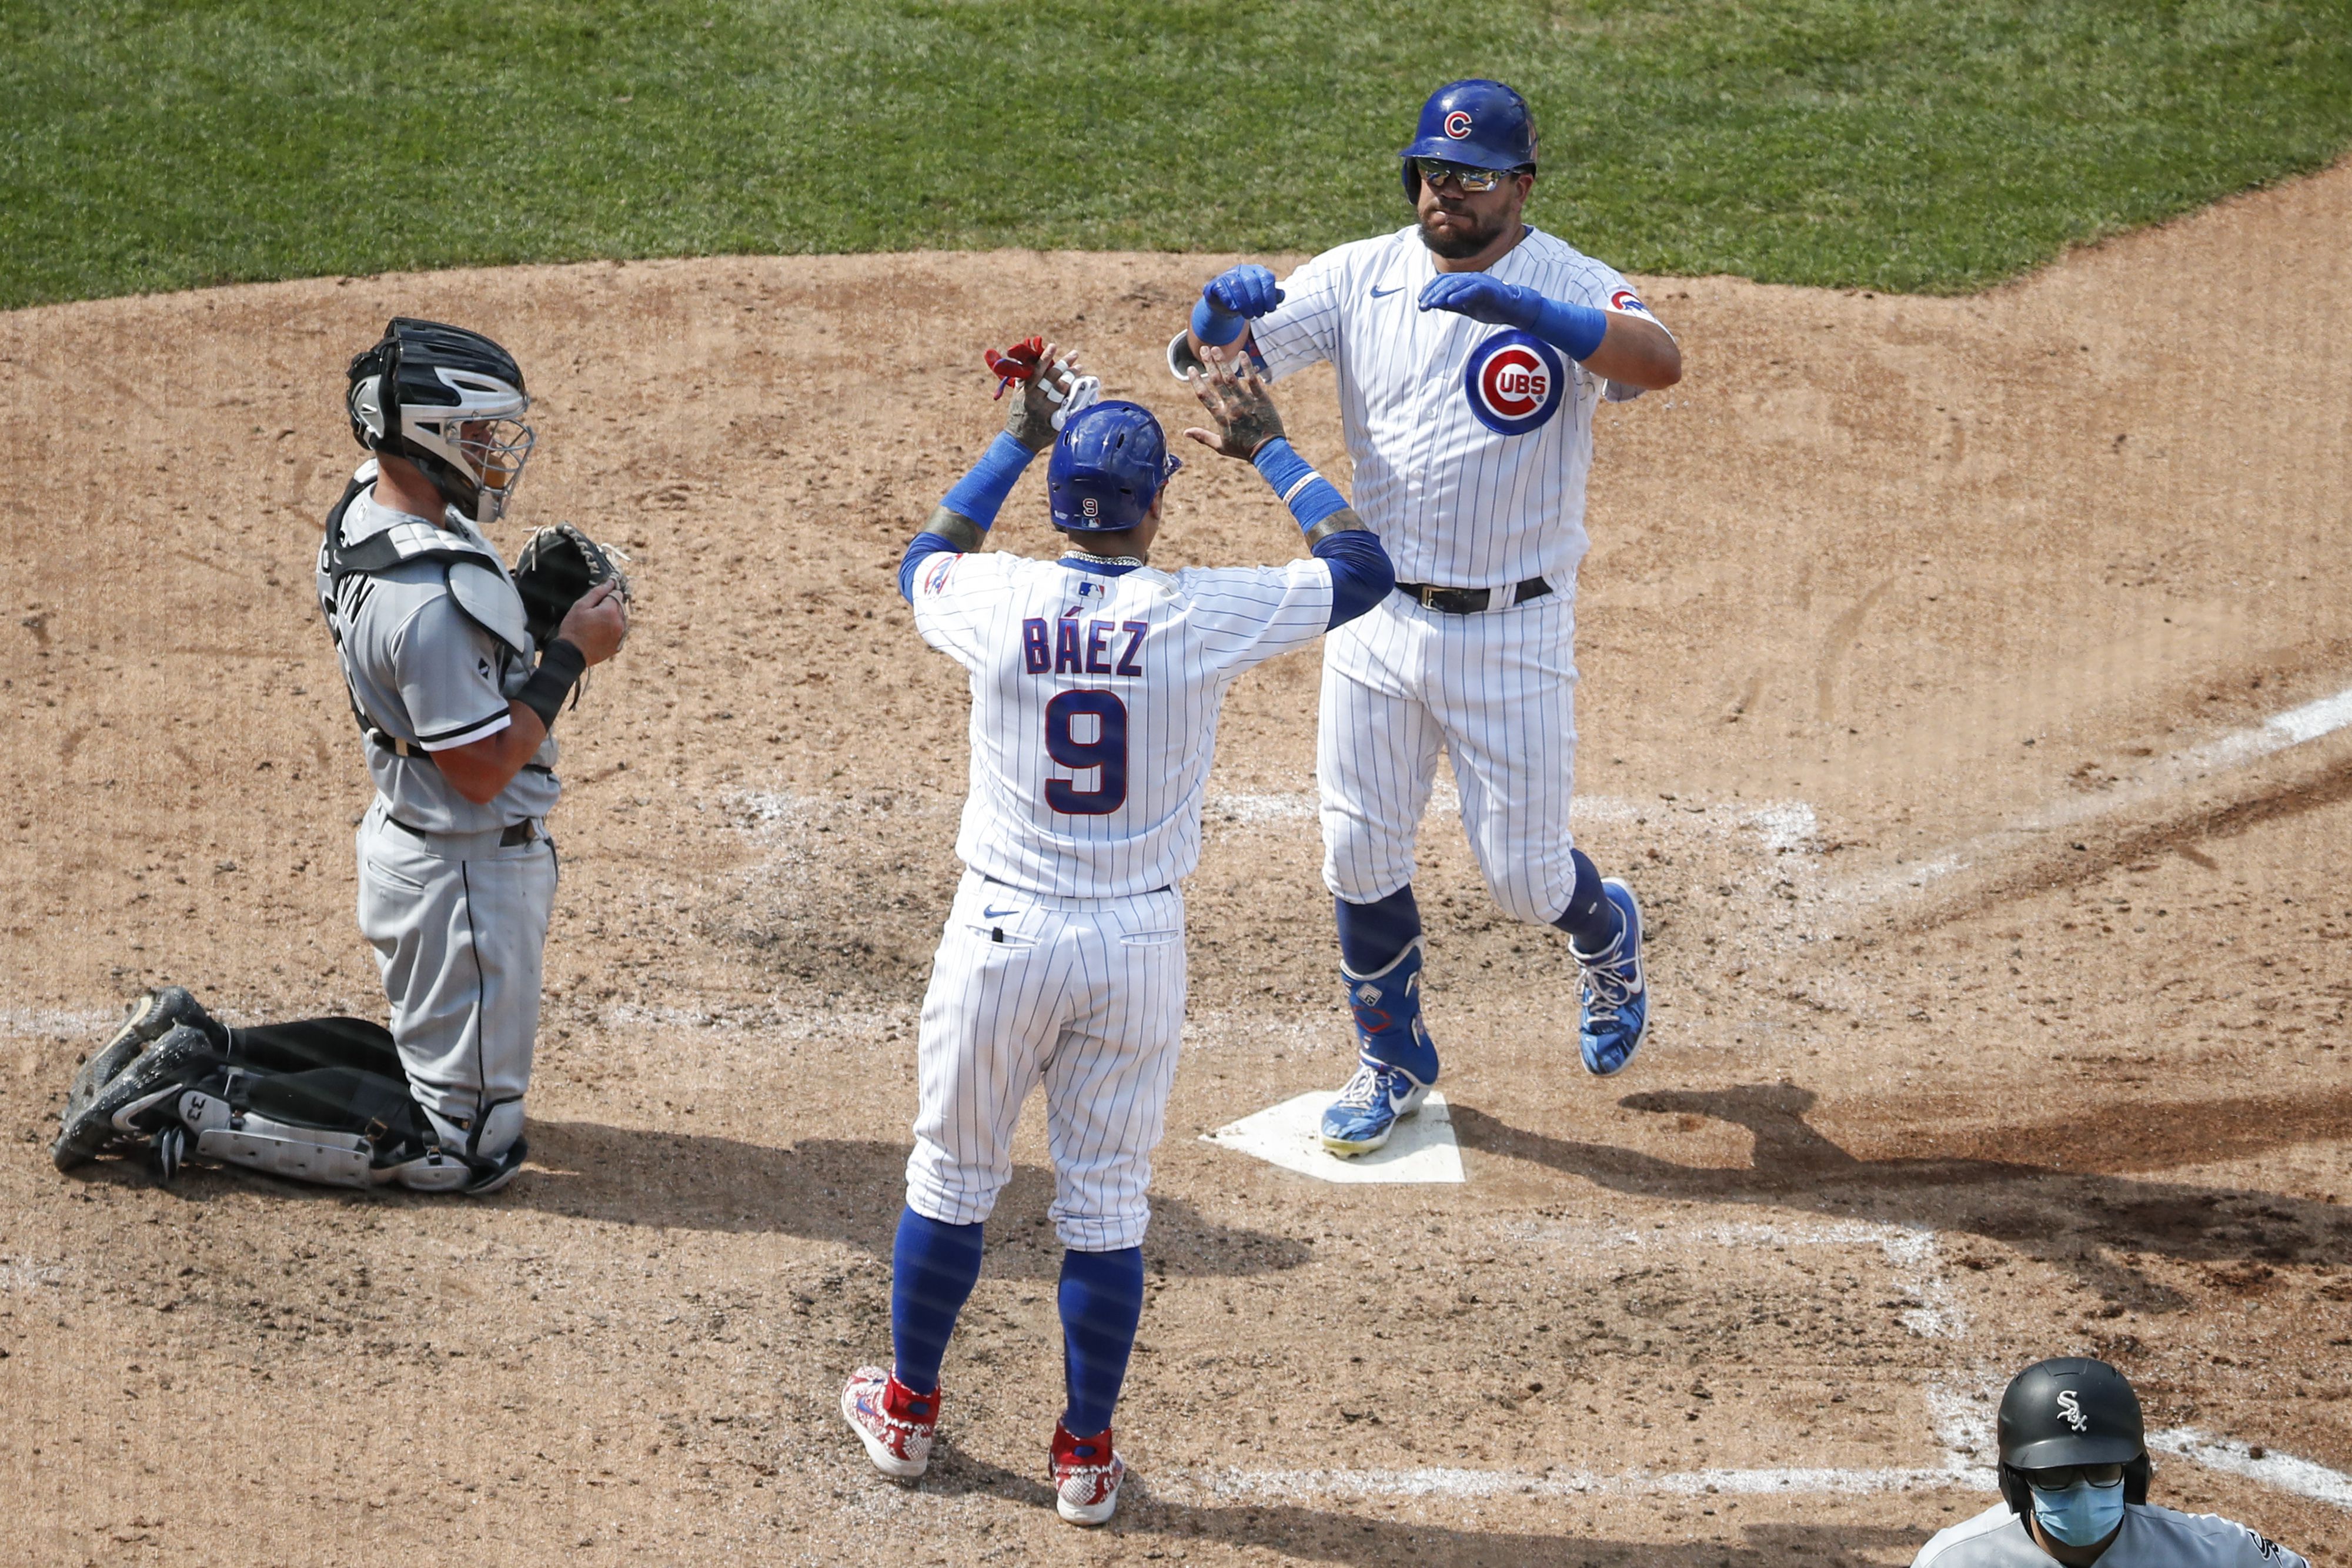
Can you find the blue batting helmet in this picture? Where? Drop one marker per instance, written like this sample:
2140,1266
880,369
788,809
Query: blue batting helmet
1479,122
1108,467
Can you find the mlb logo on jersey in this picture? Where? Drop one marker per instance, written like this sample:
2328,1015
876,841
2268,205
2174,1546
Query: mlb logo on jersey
1515,383
1625,299
1457,125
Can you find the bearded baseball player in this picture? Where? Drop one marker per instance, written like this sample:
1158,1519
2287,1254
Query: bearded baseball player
2073,1488
1096,684
456,670
1471,352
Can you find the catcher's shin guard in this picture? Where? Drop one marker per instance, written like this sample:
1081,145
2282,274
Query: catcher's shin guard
282,1149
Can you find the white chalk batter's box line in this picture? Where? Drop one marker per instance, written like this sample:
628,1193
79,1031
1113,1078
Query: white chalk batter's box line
2284,1472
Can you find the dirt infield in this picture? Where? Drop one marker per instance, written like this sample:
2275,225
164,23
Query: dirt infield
2003,948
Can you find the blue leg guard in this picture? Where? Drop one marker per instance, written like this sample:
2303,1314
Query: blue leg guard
1386,1007
1101,1301
933,1267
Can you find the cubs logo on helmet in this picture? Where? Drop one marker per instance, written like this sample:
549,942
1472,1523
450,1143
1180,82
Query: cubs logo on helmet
1515,383
1457,125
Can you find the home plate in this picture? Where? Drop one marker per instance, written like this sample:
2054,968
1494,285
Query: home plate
1290,1135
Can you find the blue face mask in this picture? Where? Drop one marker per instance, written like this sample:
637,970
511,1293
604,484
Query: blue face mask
2082,1515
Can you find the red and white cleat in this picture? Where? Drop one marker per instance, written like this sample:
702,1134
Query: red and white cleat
1087,1473
894,1422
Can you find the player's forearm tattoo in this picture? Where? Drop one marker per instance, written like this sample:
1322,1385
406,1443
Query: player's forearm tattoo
1342,521
956,528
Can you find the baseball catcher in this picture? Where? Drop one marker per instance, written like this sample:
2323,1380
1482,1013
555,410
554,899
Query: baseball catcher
456,669
2073,1488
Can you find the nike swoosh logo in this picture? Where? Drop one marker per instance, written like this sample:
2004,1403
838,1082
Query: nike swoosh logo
1384,293
995,913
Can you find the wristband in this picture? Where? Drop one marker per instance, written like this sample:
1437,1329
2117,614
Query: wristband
561,663
1310,496
1574,329
1214,325
979,495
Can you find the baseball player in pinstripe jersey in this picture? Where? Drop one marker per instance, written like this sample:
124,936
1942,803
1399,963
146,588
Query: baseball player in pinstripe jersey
1471,352
1096,682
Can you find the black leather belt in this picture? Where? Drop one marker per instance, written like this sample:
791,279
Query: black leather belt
1470,600
524,832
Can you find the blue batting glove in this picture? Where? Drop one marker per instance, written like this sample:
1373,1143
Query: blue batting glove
1230,299
1248,290
1483,298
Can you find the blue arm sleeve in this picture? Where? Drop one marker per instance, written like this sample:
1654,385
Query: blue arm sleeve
1361,575
1574,329
921,545
979,494
1310,496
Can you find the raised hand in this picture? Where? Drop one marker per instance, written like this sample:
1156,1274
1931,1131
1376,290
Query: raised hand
1482,298
1238,400
1046,396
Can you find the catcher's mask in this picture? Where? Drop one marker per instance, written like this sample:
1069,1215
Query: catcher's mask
450,400
1108,465
2070,1411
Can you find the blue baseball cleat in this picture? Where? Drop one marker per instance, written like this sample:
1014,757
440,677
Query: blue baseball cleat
1368,1110
1388,1031
1616,1000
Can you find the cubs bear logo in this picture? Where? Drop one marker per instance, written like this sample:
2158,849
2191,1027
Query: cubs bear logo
1515,383
1457,125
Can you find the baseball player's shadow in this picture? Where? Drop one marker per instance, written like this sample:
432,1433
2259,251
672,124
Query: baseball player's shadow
836,1189
2046,1211
1321,1536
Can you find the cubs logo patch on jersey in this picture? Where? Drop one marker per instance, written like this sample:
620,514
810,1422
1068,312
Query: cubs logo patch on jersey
1515,383
1626,300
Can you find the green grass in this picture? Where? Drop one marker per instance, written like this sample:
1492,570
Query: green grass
1910,144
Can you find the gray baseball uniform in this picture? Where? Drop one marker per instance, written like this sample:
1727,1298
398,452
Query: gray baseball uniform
2151,1537
454,896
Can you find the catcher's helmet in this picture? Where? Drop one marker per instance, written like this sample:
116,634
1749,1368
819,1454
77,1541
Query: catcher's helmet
2071,1411
1479,122
450,400
1108,467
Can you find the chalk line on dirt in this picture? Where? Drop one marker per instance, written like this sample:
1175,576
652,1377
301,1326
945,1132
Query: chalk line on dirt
2281,731
2304,1478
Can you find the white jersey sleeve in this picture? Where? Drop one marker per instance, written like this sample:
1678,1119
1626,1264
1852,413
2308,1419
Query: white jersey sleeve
958,600
1304,330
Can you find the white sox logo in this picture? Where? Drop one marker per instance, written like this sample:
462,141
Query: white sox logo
1457,125
2071,1409
1515,383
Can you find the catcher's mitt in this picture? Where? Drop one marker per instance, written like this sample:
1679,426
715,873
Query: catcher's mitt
559,564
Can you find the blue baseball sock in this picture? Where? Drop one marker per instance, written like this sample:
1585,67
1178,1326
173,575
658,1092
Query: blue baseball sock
932,1270
1101,1301
1372,935
1591,920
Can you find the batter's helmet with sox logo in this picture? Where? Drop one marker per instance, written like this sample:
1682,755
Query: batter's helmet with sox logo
1478,122
2066,1412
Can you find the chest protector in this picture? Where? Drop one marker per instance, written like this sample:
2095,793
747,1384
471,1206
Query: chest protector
477,580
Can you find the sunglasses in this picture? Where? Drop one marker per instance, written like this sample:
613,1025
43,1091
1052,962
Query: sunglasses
1469,180
2065,1478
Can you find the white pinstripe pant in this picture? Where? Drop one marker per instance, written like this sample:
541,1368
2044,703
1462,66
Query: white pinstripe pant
1084,994
1496,692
